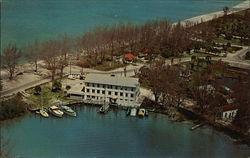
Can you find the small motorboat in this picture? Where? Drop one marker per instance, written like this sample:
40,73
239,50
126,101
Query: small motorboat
142,112
197,126
43,113
104,108
146,113
133,112
128,112
56,111
68,110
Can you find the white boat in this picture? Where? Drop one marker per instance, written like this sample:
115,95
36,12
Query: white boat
56,111
104,108
68,110
133,112
197,126
43,113
128,112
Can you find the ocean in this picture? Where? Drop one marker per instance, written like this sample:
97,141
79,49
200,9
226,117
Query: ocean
24,21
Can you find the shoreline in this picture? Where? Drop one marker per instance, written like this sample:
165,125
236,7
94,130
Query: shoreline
31,77
209,16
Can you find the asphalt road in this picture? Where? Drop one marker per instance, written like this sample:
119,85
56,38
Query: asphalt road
236,59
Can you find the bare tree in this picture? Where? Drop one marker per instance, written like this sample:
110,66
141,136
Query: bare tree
155,78
242,95
63,50
33,53
50,57
11,55
174,88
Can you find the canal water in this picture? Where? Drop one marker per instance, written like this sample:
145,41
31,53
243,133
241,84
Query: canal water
114,135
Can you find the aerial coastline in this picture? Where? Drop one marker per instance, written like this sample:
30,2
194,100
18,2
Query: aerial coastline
209,16
196,72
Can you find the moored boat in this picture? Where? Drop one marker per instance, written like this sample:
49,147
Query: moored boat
128,111
104,108
146,113
68,110
142,112
133,112
54,110
43,113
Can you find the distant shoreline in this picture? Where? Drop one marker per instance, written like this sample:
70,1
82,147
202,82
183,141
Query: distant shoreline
207,17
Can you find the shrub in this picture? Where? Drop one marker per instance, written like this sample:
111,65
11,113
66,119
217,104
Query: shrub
12,108
57,86
38,90
68,87
248,56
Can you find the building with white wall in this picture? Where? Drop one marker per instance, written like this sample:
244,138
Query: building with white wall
119,90
228,112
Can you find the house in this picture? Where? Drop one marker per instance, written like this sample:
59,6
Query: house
228,112
209,88
112,89
129,58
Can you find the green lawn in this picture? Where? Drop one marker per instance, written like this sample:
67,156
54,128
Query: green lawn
46,96
224,41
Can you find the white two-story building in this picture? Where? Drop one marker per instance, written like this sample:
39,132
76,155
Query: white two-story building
114,89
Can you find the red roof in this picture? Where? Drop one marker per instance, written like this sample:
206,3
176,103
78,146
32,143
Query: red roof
129,56
228,107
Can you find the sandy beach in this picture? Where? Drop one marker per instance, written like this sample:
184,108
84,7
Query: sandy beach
207,17
28,75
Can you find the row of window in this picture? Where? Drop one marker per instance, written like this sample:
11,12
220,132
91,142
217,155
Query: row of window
101,98
109,93
108,86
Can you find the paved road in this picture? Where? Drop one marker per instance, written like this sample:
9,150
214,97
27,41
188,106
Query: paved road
9,92
236,59
23,87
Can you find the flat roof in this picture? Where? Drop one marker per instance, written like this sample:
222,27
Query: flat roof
111,80
76,89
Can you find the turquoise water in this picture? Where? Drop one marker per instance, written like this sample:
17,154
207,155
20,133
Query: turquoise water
27,20
115,135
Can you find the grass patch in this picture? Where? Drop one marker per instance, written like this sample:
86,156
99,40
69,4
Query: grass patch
109,65
224,41
46,97
194,54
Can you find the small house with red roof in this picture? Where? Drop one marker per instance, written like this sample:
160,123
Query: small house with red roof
129,58
228,112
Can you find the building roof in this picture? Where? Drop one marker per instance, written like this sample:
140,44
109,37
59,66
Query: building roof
228,107
76,89
112,80
129,56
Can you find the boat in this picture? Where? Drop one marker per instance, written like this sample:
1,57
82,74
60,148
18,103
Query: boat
141,112
104,108
197,126
68,110
133,112
128,111
146,113
43,113
54,110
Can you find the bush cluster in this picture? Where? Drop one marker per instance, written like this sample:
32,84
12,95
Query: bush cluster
12,108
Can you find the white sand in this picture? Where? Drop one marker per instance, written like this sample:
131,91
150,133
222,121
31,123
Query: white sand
207,17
